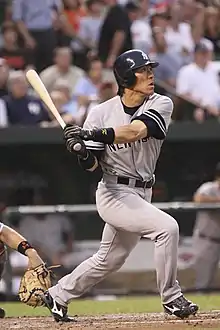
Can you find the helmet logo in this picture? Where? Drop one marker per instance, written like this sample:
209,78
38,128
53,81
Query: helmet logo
145,57
130,62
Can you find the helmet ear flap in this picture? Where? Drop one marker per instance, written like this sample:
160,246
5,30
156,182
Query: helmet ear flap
127,81
131,80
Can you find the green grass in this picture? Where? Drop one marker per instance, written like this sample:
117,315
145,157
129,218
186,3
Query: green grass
122,305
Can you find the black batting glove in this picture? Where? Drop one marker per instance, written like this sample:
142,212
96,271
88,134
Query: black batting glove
76,146
71,131
103,135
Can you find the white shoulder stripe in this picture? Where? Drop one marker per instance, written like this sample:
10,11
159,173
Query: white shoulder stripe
157,120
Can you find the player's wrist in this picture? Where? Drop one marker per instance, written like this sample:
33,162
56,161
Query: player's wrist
23,247
88,162
103,135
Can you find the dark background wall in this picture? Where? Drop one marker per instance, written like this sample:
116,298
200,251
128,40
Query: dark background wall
36,159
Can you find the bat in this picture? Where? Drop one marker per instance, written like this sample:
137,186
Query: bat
37,84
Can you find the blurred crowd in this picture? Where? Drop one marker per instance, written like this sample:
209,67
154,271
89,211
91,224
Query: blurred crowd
73,45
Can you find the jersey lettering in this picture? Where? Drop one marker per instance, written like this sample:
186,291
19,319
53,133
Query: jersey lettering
136,159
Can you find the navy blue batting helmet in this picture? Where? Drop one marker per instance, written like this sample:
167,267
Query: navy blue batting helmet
126,64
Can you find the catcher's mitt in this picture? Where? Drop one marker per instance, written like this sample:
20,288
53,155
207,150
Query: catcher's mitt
35,282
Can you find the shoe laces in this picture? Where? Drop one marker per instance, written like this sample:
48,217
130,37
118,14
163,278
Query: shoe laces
182,301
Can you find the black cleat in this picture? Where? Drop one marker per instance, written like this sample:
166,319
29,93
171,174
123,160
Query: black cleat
181,307
2,313
58,311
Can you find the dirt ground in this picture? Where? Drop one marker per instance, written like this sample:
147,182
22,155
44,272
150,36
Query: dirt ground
126,321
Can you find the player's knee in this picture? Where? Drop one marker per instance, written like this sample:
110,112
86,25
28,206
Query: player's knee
113,261
172,227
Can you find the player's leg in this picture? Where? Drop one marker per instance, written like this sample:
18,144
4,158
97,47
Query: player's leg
2,266
207,254
114,249
135,214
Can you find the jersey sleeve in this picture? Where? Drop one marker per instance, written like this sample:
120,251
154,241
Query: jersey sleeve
93,121
157,118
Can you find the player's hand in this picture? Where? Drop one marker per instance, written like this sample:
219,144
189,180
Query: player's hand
76,146
71,131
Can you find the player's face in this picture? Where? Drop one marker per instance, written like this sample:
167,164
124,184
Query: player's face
145,80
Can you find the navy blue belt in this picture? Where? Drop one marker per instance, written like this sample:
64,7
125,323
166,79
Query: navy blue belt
138,183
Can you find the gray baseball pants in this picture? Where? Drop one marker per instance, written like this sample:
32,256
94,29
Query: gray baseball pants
128,215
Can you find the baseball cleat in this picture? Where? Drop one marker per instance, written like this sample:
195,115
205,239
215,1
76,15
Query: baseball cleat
58,311
181,307
2,313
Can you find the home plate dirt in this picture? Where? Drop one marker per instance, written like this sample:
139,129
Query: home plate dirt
151,321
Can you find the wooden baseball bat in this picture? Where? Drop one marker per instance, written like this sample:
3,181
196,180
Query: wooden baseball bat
37,84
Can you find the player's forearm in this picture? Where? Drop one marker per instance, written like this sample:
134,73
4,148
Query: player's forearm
13,239
89,163
122,134
130,133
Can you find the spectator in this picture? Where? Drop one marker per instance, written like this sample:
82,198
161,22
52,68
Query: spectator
159,21
3,10
87,87
59,99
115,34
17,58
86,93
107,91
198,82
71,105
73,12
145,13
140,28
21,108
170,62
36,21
4,73
62,68
212,30
84,35
178,34
90,25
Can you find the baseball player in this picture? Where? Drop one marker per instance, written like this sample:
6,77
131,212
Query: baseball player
124,135
206,235
15,241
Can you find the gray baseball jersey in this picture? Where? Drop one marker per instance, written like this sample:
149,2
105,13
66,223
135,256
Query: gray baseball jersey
134,160
127,210
208,222
206,239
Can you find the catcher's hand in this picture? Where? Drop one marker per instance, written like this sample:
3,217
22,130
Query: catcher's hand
35,282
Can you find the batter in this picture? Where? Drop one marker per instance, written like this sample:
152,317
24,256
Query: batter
124,135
